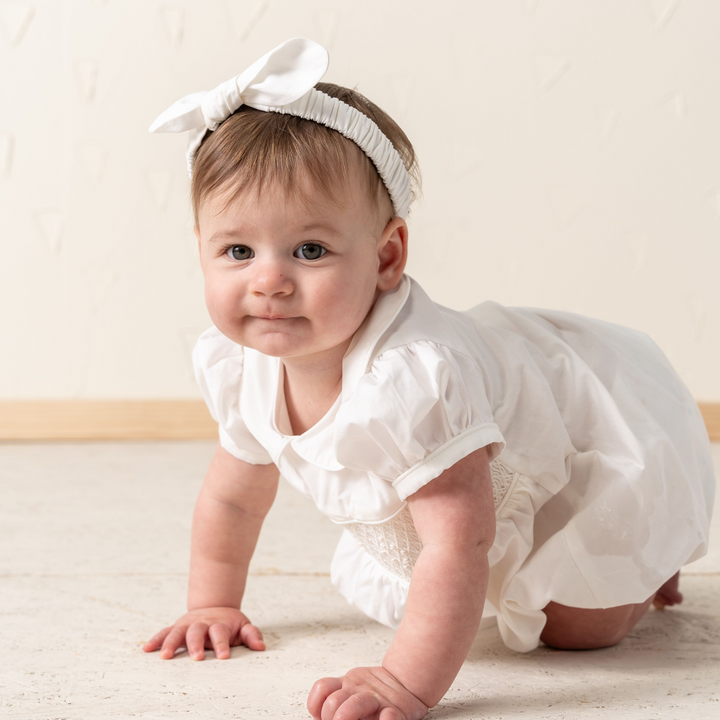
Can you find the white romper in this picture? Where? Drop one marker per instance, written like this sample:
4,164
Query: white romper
600,460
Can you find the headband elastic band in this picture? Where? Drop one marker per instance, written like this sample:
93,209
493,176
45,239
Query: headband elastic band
283,81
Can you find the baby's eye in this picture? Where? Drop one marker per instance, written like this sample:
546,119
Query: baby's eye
239,252
310,251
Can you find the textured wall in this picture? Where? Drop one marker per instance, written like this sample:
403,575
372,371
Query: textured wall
570,151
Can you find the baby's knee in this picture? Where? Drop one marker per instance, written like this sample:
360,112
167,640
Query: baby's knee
569,628
569,637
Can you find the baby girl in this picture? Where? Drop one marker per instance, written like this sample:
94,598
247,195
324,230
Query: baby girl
535,466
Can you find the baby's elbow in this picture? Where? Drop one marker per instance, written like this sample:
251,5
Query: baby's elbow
474,544
486,536
482,549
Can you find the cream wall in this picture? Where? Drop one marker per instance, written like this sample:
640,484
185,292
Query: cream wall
570,152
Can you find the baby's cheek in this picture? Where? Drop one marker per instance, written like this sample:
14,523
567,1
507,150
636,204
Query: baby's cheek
222,306
213,302
346,312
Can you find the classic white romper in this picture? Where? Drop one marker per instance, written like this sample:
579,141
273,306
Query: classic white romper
601,466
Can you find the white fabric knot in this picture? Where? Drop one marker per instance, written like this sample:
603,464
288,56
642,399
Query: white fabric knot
283,81
277,78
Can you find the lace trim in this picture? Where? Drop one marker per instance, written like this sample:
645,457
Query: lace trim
395,544
503,478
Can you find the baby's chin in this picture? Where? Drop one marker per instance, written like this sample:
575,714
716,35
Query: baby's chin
280,343
295,351
287,338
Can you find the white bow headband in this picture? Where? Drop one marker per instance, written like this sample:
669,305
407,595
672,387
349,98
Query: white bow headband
283,81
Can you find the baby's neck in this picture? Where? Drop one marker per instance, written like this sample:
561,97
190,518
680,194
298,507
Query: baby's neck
311,388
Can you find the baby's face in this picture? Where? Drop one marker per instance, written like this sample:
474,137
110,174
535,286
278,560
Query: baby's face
295,279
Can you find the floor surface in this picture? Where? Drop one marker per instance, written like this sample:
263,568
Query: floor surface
93,561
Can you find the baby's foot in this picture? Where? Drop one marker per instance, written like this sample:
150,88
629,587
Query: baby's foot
668,594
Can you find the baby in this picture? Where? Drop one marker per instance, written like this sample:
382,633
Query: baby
538,467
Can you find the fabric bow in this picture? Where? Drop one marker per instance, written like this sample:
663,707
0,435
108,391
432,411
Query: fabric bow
278,78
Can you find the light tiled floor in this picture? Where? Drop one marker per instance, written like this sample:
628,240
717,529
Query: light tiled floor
93,559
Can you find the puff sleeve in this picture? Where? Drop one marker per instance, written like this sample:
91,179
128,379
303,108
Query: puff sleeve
218,364
418,410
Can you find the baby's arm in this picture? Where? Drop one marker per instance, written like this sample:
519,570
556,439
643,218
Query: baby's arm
233,502
455,519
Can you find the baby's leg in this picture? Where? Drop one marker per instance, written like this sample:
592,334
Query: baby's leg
570,628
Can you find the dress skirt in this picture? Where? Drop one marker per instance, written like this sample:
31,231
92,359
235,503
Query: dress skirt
634,509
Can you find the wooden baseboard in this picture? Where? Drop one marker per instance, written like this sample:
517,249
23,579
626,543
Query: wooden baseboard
145,420
711,415
105,420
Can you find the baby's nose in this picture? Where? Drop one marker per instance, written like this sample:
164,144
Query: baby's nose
271,278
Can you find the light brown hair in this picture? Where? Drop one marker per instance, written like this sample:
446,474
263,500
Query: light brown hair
253,149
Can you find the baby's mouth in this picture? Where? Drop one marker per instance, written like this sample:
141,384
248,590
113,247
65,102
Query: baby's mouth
274,319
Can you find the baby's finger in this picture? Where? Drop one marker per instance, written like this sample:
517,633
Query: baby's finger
390,713
157,639
333,703
360,705
319,693
252,637
219,635
195,639
174,639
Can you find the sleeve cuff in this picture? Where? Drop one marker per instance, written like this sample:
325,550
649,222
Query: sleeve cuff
444,457
241,454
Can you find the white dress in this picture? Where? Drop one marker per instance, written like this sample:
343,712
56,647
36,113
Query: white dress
600,461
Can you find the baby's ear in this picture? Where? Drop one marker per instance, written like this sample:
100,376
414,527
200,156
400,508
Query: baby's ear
392,253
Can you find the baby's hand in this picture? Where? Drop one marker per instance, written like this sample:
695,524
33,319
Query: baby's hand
371,693
218,628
